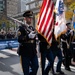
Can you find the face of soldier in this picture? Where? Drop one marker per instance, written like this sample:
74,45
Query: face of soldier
69,27
28,20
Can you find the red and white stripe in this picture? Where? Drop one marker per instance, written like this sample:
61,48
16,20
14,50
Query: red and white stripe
46,20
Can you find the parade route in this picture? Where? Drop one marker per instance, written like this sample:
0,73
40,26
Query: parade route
10,64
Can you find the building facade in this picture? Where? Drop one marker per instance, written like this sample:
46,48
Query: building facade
13,7
3,9
33,5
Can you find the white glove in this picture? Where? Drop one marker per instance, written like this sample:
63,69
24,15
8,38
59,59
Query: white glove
32,35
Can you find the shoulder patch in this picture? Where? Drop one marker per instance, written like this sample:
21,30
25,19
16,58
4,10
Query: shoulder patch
19,33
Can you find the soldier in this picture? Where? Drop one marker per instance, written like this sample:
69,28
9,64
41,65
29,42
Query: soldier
56,51
72,47
66,40
27,48
45,54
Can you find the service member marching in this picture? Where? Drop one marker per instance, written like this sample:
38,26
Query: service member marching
66,40
27,48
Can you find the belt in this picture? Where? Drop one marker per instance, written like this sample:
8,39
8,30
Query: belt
74,48
73,42
30,41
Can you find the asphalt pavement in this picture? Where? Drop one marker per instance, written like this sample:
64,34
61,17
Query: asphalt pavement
10,64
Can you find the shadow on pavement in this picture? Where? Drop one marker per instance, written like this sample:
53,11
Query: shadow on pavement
6,63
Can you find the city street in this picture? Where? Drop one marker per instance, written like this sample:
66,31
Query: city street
10,65
48,23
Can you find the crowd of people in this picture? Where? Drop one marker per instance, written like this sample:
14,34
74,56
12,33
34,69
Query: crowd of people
27,51
7,35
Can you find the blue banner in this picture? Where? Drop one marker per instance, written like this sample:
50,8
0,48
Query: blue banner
74,25
8,44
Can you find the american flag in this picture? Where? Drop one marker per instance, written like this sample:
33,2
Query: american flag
60,24
46,20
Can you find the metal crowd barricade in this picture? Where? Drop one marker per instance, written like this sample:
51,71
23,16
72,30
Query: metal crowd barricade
8,43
